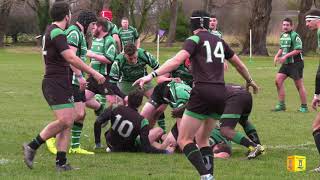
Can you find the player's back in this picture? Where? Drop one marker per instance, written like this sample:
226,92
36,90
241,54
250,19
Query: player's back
125,127
207,54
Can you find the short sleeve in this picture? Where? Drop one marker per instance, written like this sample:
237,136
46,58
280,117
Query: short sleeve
228,52
73,38
59,39
297,43
191,43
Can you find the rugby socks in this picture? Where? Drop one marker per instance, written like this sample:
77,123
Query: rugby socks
304,106
162,123
194,156
75,135
61,158
316,136
251,132
206,153
36,142
242,140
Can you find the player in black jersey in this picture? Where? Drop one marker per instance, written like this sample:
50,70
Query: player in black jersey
128,127
57,86
207,53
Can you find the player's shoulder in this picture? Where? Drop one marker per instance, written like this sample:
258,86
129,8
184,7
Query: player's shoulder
56,31
132,28
194,38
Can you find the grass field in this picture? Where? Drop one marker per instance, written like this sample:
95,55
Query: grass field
24,112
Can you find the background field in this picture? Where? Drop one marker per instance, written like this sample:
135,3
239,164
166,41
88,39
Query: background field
23,112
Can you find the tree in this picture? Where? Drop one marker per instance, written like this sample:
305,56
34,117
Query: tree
308,37
173,22
41,8
258,23
5,7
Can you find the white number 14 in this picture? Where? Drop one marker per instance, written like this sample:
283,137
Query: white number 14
218,51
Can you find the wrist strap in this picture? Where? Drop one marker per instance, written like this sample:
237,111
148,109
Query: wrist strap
154,74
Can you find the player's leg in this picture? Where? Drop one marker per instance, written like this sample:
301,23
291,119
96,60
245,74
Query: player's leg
64,121
249,129
188,128
279,81
316,136
148,112
297,76
77,130
202,139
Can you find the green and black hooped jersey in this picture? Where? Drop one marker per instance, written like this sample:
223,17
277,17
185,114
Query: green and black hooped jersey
121,70
103,46
173,93
76,39
184,74
288,42
129,35
217,33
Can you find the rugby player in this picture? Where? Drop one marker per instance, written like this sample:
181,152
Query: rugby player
290,56
207,53
313,23
57,86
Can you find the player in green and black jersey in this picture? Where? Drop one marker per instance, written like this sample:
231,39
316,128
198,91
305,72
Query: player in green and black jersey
290,56
128,34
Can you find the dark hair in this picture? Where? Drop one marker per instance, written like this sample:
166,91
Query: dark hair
199,19
130,49
213,16
313,12
104,23
85,18
288,20
135,98
125,18
59,10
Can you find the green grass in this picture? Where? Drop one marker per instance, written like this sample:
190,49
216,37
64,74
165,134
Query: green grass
24,113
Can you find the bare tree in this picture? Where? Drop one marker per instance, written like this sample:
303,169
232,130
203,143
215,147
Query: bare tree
5,7
258,23
173,22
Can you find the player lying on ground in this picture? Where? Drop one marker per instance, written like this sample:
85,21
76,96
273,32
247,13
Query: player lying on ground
126,127
237,108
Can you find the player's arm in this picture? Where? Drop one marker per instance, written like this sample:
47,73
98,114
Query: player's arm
144,136
275,60
60,42
103,59
137,38
103,118
114,78
164,78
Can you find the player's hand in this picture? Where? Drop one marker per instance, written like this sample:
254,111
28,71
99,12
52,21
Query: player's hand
254,86
90,54
141,81
177,80
275,61
99,78
125,100
315,103
282,59
225,66
82,83
170,149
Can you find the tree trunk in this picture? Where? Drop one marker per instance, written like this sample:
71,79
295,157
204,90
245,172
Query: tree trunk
173,22
309,38
5,7
205,5
258,23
